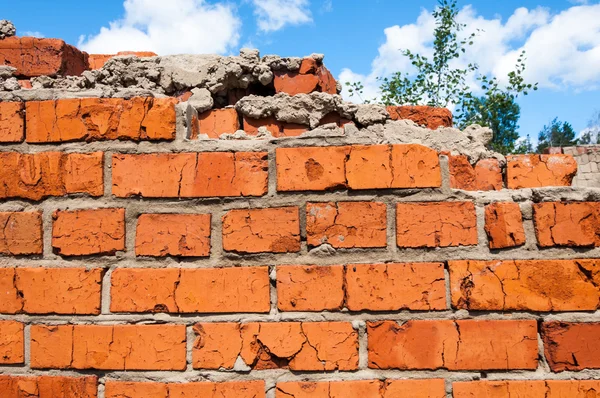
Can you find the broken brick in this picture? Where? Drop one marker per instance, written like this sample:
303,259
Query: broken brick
426,116
251,126
567,223
571,346
21,233
97,61
215,122
504,225
533,171
293,83
486,175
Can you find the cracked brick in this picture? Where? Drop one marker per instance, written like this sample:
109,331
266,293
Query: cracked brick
96,119
294,83
532,171
50,290
87,232
39,175
427,116
219,290
12,122
190,175
485,175
274,230
346,224
453,345
425,388
21,233
230,389
215,122
310,287
567,223
109,347
12,346
571,346
525,285
526,388
504,225
48,386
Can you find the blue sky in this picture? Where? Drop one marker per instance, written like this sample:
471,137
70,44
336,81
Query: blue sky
360,38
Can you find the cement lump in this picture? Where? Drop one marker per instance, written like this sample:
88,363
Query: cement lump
7,29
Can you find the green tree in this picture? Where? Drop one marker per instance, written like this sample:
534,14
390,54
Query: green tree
524,146
556,134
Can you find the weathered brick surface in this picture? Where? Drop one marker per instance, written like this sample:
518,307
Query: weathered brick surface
48,387
306,346
12,123
567,224
527,388
311,168
426,388
427,116
218,121
108,347
86,232
571,346
436,224
453,345
94,119
50,290
531,171
293,83
346,224
235,389
189,175
504,225
275,230
485,175
220,290
12,346
185,235
37,176
525,285
310,287
21,233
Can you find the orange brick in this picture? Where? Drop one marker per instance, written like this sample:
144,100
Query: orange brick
36,176
327,83
433,388
233,389
525,285
425,388
251,126
275,230
108,347
95,119
427,116
293,83
190,175
532,171
504,225
571,346
310,288
393,287
50,290
486,175
308,66
346,224
436,224
21,233
12,124
307,346
218,121
453,345
48,386
311,168
293,130
85,232
207,290
185,235
526,388
37,57
12,347
567,224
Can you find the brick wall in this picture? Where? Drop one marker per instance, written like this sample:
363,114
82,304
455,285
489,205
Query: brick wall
141,260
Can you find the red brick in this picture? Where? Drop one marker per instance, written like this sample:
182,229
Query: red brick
293,83
427,116
453,345
433,388
394,287
527,388
327,83
571,346
532,171
233,389
48,386
275,230
346,224
36,57
97,61
190,175
12,347
37,176
310,287
567,224
218,121
108,347
486,175
293,130
308,66
504,225
525,285
12,123
50,290
307,346
185,235
206,290
85,232
251,126
436,224
96,119
21,233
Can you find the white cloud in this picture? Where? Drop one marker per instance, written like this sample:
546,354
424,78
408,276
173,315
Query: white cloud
168,27
30,33
563,50
273,15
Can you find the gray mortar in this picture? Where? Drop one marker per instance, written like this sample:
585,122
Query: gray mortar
7,29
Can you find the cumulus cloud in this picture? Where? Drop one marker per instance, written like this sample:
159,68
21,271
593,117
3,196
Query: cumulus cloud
168,27
563,50
273,15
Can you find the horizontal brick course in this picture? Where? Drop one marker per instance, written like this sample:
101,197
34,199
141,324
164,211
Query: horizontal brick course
431,388
236,389
526,388
48,386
